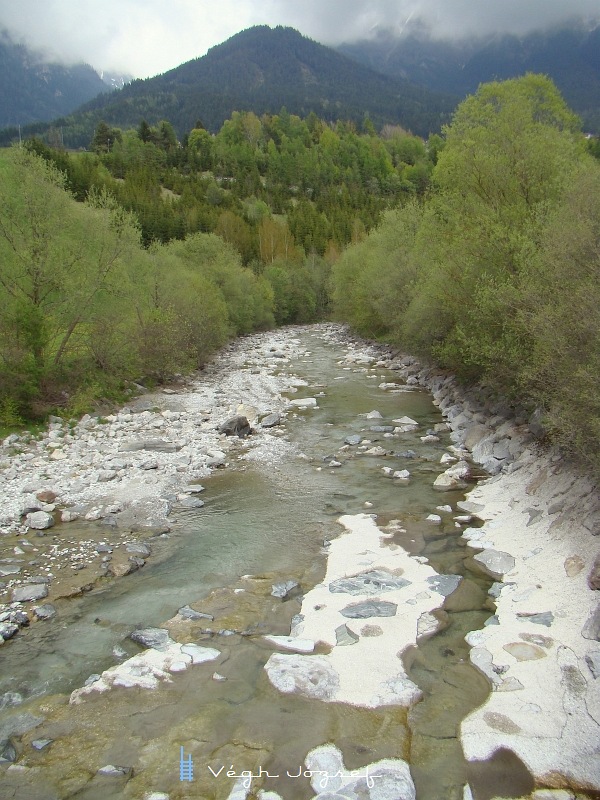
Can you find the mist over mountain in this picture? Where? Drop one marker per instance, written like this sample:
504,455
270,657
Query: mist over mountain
570,55
34,89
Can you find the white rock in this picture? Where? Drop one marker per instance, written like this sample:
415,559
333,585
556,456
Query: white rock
304,402
290,643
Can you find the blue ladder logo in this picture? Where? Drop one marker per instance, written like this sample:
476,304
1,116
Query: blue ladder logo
186,767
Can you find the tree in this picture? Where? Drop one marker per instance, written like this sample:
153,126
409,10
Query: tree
510,152
59,262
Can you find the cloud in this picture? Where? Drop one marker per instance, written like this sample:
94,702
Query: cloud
145,37
346,20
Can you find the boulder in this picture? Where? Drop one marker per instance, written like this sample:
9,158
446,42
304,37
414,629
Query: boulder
157,638
236,426
474,434
448,483
495,563
39,520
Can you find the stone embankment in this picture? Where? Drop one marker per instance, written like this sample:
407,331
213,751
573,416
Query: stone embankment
541,649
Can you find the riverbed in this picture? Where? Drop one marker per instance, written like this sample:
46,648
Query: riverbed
270,516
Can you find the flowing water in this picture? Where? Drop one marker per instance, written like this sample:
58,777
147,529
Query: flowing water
268,521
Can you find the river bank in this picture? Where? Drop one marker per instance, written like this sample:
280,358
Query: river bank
117,483
540,649
536,538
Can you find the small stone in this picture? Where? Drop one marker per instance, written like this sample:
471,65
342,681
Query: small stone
46,496
25,594
8,630
545,618
40,744
112,771
291,643
191,502
370,608
406,421
270,421
371,630
344,636
216,676
372,582
354,439
189,613
524,652
45,611
284,588
435,518
8,753
593,661
305,402
375,451
444,584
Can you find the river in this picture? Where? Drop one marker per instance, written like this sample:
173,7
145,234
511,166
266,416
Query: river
267,520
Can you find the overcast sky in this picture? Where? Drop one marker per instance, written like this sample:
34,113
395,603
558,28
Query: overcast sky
146,37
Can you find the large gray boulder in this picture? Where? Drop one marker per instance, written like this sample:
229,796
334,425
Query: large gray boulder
39,520
235,426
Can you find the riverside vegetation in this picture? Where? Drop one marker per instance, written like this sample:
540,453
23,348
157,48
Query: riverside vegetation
478,250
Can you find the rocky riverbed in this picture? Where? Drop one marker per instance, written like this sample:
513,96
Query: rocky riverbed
120,482
89,500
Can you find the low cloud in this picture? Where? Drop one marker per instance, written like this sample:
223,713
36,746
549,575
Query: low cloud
145,37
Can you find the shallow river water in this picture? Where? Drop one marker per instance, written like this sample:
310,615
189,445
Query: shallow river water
268,521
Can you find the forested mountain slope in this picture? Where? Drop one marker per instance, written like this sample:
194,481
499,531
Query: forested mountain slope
262,70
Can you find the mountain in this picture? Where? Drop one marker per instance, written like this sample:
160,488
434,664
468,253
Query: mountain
570,55
32,89
263,69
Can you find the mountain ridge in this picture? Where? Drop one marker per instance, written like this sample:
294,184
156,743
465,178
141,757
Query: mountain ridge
263,69
569,54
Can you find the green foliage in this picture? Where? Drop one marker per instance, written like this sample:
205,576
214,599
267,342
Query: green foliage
10,416
496,276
